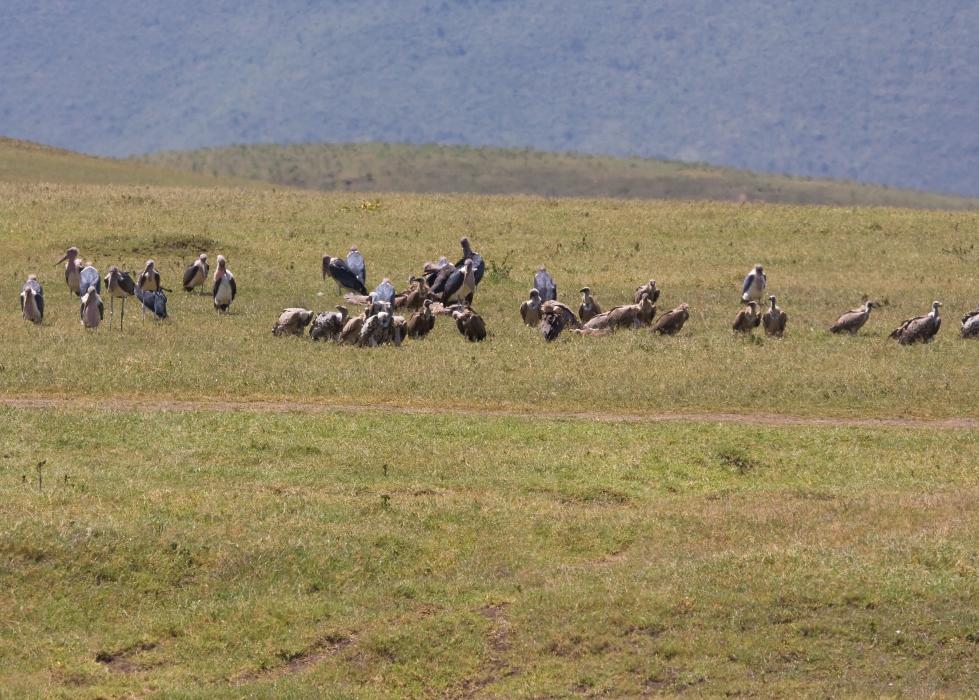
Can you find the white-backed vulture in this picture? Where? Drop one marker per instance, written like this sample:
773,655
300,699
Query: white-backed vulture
970,324
292,321
671,322
589,307
854,319
774,319
374,332
329,324
920,329
422,321
530,309
649,289
747,318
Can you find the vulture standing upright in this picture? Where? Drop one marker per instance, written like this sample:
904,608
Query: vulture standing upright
422,322
754,285
341,274
747,318
292,321
196,274
970,324
544,283
774,319
671,322
355,261
920,329
328,324
853,320
32,300
589,308
470,325
649,289
385,292
225,288
554,318
530,309
374,332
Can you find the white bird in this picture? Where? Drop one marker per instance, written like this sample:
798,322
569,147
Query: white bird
225,289
92,310
754,285
32,300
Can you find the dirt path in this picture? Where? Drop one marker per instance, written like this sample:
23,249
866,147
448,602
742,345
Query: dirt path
125,405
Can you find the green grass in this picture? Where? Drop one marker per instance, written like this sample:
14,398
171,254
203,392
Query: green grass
237,554
821,261
384,167
28,162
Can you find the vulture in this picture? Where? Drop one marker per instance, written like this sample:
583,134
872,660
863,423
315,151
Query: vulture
920,329
398,331
196,274
375,329
413,297
118,285
292,321
225,289
853,320
461,285
754,285
342,275
774,319
351,330
149,278
626,316
72,268
328,324
470,324
554,318
155,302
589,308
970,324
356,264
479,266
649,289
747,319
530,309
92,309
422,322
544,283
671,322
32,300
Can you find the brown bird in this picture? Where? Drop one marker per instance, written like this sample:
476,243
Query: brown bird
671,322
747,319
375,330
351,329
398,330
626,316
422,322
555,317
853,320
412,297
649,289
920,329
530,309
970,324
774,319
329,324
470,324
292,321
589,308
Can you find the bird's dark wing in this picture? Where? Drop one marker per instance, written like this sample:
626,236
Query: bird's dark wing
234,287
101,310
452,285
39,300
189,276
748,281
22,301
438,283
355,261
126,283
345,276
479,267
215,288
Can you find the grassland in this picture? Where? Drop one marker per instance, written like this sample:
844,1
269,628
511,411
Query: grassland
27,162
246,553
383,167
234,554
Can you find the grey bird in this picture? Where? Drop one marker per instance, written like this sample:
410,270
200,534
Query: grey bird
32,300
970,324
920,329
339,272
854,319
118,285
328,324
292,321
544,283
155,302
774,319
357,265
530,309
72,269
92,309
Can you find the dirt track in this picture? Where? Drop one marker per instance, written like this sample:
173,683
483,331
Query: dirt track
123,405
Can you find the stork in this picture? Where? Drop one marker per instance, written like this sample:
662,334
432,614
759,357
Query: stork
774,319
118,285
530,309
920,329
385,292
154,302
431,270
225,288
479,266
92,309
89,277
589,308
544,283
357,265
754,285
32,300
345,278
196,274
149,278
72,269
461,285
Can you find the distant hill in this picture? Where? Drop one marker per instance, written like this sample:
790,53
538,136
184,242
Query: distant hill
881,92
24,161
377,167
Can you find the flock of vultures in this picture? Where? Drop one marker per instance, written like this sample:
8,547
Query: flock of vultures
442,289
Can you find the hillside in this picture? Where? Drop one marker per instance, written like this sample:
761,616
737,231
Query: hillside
872,92
376,167
23,161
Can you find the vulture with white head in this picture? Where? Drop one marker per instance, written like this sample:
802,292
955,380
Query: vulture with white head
530,309
854,319
589,307
920,329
